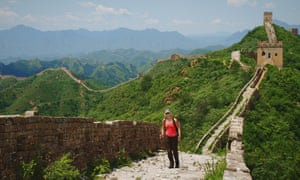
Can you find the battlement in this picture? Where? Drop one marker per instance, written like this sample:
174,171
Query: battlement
264,44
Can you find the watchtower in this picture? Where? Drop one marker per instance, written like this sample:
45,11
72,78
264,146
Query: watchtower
268,17
270,52
294,31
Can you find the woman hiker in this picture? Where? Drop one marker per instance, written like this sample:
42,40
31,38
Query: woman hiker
170,128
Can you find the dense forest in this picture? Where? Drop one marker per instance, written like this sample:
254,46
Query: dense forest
272,127
198,91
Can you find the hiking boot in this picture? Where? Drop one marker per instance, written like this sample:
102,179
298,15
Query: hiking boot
176,163
171,165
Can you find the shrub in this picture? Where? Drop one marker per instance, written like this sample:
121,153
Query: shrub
214,170
102,167
27,169
121,159
61,169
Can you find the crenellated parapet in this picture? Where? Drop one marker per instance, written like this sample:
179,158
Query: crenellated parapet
264,44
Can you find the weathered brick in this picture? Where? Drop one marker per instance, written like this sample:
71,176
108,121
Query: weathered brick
49,137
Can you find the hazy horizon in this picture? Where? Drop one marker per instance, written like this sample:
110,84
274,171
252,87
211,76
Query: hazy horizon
189,18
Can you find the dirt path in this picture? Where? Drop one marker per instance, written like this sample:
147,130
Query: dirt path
192,167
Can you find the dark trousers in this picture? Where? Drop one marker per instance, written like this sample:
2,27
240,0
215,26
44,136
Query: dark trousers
172,147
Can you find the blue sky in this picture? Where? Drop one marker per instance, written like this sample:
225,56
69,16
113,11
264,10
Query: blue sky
189,17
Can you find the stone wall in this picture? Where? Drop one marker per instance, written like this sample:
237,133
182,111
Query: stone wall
235,164
45,139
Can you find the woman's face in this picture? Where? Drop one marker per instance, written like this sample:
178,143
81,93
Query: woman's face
168,114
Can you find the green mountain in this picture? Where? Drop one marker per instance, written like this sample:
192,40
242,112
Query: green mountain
100,69
198,91
98,74
54,93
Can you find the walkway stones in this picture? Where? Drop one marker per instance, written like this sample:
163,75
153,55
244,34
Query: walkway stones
156,168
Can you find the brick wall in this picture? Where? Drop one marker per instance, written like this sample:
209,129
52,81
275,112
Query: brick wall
48,138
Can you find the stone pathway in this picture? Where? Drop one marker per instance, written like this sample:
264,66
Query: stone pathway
192,167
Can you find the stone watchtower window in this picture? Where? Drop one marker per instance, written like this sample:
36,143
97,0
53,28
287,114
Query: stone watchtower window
269,55
275,54
263,53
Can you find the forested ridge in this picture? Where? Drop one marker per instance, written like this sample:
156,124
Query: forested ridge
272,125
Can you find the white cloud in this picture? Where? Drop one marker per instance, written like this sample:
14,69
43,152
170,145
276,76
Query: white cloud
30,18
4,12
216,21
87,4
12,1
269,5
72,17
182,22
238,3
252,3
151,21
103,10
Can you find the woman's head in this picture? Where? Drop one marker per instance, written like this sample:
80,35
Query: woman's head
168,112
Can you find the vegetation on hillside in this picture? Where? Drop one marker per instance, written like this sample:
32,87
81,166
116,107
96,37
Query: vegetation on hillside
197,94
272,131
100,69
99,75
54,94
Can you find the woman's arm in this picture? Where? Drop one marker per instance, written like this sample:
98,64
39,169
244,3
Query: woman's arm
162,134
178,128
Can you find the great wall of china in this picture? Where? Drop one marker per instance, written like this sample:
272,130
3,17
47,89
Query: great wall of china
25,138
233,120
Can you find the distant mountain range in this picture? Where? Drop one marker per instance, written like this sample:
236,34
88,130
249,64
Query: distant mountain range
25,42
285,25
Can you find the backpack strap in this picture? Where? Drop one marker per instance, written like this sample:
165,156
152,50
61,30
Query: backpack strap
173,119
174,122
